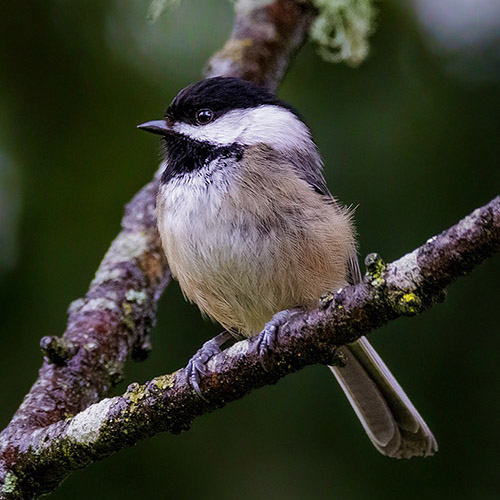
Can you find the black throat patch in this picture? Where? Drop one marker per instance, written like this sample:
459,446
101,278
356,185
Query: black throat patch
184,155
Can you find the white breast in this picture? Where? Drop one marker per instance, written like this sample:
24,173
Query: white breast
218,258
188,215
201,232
236,254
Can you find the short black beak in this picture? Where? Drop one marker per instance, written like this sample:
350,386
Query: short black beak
159,127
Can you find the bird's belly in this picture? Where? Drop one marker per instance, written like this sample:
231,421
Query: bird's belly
240,267
225,267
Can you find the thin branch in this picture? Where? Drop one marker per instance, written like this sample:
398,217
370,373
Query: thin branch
405,287
263,41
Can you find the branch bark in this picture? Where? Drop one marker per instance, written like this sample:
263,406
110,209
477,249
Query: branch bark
112,323
406,287
64,424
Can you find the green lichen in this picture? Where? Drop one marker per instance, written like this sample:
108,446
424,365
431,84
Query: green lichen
10,483
374,265
234,50
128,318
135,393
342,28
127,308
409,298
410,304
326,300
164,382
115,371
405,303
378,282
57,350
375,268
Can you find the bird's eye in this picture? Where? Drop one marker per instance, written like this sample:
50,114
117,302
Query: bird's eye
204,116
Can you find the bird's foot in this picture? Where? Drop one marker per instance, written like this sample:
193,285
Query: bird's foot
267,338
196,366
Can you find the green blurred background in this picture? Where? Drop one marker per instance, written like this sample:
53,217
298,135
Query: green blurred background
412,137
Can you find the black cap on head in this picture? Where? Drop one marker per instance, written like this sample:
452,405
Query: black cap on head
220,95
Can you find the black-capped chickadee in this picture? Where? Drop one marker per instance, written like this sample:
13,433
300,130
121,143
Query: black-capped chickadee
250,229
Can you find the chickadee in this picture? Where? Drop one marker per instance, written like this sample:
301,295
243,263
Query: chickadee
250,229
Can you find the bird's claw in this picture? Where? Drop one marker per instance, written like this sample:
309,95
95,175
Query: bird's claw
196,366
267,338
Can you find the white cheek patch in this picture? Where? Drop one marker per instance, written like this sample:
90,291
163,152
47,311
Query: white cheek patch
223,131
277,127
272,125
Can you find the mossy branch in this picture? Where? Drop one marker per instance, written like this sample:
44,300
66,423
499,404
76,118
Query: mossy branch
405,287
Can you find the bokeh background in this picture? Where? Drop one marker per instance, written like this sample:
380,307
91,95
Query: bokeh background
411,136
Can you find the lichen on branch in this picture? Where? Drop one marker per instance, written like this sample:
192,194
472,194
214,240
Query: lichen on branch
405,287
340,30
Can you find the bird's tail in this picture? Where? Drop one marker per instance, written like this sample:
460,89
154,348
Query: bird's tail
391,421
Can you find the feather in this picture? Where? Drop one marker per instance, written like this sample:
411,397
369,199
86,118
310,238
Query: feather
389,418
386,413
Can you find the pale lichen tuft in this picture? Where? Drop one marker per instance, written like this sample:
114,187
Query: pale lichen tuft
136,296
342,28
105,275
85,427
76,305
100,304
126,246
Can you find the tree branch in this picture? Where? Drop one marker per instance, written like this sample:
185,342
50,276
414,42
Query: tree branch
113,322
406,287
263,41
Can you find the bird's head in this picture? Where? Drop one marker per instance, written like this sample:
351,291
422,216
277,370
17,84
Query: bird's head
222,112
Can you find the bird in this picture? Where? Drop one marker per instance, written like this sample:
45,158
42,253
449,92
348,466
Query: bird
252,234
